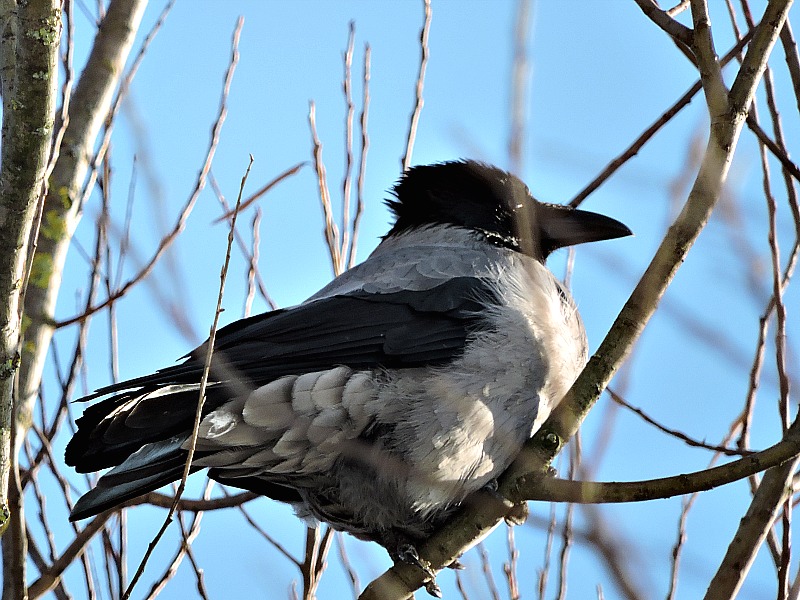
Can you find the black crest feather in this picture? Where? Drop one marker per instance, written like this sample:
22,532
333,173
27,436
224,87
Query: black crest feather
462,193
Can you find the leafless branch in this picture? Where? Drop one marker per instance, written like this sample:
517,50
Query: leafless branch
790,51
673,432
663,19
405,162
331,229
347,84
510,567
252,266
486,568
213,331
270,540
168,239
28,82
262,287
648,133
520,73
188,505
293,170
362,163
352,575
49,579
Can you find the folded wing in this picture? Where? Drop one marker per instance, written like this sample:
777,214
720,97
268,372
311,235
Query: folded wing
258,363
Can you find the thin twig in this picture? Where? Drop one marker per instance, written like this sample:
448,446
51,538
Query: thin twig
183,550
519,86
460,586
41,565
252,264
347,85
674,432
486,567
270,540
678,8
352,575
262,287
676,550
200,182
790,51
307,568
362,163
544,572
405,162
663,19
566,532
190,505
648,133
207,366
322,557
331,229
616,552
49,579
293,170
510,568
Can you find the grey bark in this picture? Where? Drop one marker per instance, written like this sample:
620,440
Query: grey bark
31,33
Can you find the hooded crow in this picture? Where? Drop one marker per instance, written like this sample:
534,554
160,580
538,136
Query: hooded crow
380,403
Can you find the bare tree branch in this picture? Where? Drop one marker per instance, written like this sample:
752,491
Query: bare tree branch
212,334
331,229
362,163
663,19
648,133
62,210
520,81
28,79
49,579
405,162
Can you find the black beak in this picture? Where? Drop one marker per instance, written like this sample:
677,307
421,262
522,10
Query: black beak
561,226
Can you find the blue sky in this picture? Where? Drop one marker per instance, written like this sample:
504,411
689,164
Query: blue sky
600,73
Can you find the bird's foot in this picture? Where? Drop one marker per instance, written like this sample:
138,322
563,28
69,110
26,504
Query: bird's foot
409,555
517,513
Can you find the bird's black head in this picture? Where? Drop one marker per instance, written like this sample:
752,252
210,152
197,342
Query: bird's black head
497,205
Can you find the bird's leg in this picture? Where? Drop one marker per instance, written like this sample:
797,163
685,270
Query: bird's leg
408,554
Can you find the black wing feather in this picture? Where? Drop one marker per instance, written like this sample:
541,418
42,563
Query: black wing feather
360,330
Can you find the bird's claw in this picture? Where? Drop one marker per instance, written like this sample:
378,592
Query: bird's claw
409,555
517,513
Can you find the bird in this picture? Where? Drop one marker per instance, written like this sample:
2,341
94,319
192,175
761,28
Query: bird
378,405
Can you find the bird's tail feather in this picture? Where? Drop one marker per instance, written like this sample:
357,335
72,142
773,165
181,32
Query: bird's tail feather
112,430
146,470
